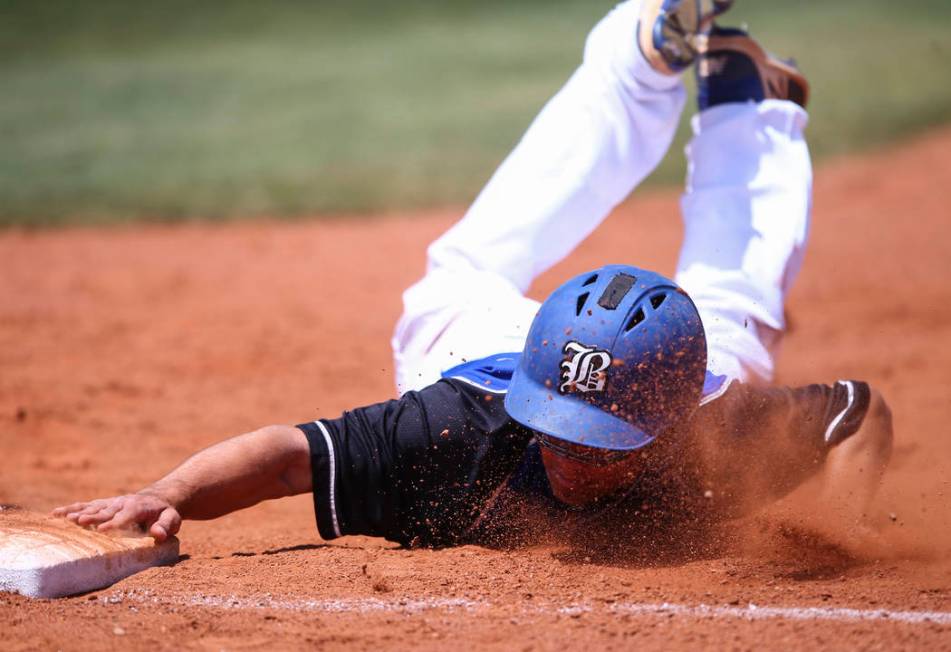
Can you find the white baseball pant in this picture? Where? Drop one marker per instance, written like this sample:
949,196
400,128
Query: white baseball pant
746,211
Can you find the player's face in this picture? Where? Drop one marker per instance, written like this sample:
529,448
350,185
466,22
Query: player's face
579,452
581,474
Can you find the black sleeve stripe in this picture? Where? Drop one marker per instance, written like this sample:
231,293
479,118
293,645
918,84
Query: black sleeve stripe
323,465
847,421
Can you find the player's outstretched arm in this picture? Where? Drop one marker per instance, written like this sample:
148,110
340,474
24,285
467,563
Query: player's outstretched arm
272,462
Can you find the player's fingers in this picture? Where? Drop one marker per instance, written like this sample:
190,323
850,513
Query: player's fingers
97,510
101,515
132,513
158,533
90,508
69,509
91,519
167,525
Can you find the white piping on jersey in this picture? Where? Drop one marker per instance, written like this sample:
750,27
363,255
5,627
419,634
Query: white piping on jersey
333,470
717,394
703,401
838,419
481,386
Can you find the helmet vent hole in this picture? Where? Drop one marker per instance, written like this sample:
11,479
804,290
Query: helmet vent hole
591,279
635,319
657,300
582,299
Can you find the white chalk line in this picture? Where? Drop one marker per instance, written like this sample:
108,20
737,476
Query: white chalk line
418,605
757,612
267,601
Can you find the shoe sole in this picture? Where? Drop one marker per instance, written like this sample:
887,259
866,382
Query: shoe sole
776,74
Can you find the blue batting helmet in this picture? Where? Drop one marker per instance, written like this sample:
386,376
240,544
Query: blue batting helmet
614,358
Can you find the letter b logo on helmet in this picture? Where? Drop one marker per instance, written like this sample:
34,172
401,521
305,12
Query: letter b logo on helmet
614,358
584,370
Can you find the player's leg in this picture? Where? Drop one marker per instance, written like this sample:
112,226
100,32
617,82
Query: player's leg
594,141
604,131
747,203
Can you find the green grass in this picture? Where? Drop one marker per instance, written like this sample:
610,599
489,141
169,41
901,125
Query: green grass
111,111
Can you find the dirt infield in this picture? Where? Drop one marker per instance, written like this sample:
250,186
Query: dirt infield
121,350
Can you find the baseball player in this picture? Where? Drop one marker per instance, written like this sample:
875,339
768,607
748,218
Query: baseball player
624,393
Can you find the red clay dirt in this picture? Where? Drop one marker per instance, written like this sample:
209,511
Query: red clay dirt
124,349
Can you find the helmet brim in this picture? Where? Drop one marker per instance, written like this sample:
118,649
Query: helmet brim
570,419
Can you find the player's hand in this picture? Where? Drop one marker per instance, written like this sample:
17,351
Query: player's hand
145,512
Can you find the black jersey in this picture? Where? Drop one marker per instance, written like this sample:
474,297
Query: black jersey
414,470
446,464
